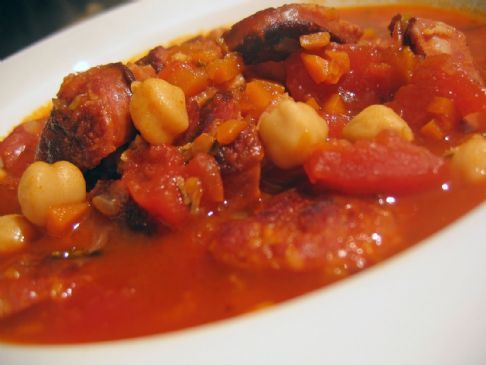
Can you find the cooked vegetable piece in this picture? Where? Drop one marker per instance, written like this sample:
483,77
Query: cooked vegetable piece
438,77
15,233
373,120
314,41
225,69
290,131
60,218
469,159
18,149
328,69
205,167
150,173
387,164
43,185
156,178
361,75
259,94
158,110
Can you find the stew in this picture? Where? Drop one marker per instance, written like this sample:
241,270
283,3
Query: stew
239,169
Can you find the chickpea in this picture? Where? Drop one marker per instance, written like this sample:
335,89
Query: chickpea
374,119
158,110
15,232
43,185
290,131
469,159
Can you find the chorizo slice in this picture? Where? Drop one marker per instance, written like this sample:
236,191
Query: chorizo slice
90,118
339,235
272,34
431,37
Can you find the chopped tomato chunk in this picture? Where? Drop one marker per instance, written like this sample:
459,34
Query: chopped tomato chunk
17,151
151,175
206,168
445,90
157,179
385,165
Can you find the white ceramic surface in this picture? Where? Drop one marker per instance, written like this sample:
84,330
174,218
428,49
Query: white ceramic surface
425,306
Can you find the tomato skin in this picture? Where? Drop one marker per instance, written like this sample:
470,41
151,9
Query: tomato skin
17,150
387,164
205,167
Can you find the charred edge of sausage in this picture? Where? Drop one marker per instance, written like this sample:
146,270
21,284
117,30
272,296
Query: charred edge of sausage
60,143
107,169
401,26
137,219
129,214
127,74
273,33
277,43
48,148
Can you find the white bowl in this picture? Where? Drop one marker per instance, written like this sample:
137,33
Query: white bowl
424,306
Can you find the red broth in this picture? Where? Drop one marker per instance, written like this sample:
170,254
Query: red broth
142,284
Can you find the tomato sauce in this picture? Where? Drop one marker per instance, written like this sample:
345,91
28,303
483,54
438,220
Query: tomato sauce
140,284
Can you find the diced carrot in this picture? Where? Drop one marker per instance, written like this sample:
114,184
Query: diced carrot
61,217
316,66
258,95
408,61
339,64
441,106
202,143
229,130
314,41
334,105
313,103
192,80
432,130
444,111
369,33
3,173
225,69
327,70
204,56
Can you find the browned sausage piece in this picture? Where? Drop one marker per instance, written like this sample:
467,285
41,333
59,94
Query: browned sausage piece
112,199
430,37
90,118
273,33
339,235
